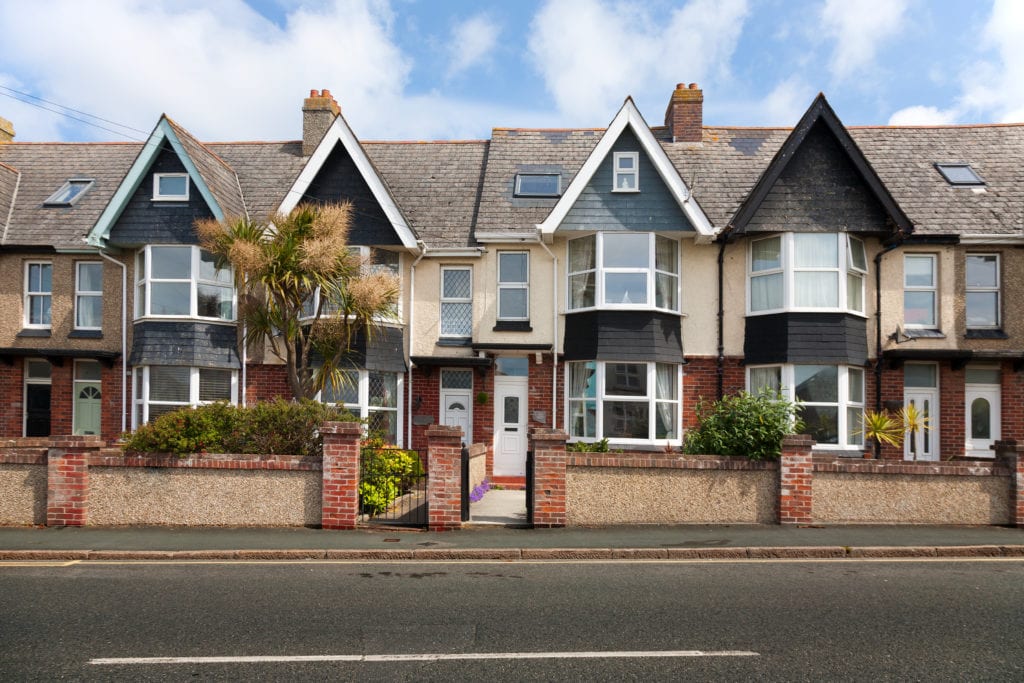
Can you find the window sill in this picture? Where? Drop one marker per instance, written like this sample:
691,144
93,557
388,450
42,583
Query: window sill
986,334
34,332
923,333
625,191
468,341
174,200
513,326
86,334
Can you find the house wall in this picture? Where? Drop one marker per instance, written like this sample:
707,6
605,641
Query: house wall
22,494
485,301
892,297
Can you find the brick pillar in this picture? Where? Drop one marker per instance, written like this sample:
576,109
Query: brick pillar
340,497
1009,452
444,481
548,446
796,476
67,480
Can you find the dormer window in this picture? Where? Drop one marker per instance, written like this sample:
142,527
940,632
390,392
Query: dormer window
959,174
538,185
626,175
170,187
69,192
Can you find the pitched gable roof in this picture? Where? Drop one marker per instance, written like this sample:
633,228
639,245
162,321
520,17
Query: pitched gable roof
820,112
629,115
215,180
340,133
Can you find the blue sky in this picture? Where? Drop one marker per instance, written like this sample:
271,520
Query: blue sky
429,69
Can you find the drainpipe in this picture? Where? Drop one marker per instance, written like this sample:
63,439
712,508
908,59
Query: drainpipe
124,336
878,332
554,332
412,319
720,369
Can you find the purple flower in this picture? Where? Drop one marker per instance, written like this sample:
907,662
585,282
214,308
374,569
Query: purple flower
478,493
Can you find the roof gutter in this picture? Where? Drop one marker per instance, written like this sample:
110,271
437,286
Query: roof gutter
977,238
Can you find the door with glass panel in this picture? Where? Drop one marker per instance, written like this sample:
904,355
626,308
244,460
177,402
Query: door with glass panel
982,411
921,392
511,396
87,398
456,401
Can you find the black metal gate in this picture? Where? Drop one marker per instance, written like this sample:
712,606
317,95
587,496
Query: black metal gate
392,487
529,487
465,484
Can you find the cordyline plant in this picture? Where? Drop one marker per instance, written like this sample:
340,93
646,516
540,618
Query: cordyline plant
279,266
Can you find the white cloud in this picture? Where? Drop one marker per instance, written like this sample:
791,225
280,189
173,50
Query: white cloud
785,104
920,115
471,43
859,27
591,54
995,88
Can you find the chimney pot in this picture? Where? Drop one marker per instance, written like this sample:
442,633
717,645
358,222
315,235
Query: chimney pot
325,93
314,93
693,86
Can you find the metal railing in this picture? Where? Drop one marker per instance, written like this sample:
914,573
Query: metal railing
392,487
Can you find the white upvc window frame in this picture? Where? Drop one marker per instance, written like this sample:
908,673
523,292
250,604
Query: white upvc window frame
993,290
847,274
158,196
932,288
847,439
141,400
600,271
513,285
362,406
601,397
455,301
619,172
144,282
81,294
43,295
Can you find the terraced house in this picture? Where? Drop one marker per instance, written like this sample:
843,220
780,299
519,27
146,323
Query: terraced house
601,281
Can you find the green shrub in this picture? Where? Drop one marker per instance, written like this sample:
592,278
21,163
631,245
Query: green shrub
387,473
275,427
744,424
588,447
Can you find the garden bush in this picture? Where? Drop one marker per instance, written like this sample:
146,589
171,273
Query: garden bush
745,424
387,473
274,427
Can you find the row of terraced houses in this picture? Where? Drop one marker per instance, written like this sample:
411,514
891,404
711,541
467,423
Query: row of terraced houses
599,281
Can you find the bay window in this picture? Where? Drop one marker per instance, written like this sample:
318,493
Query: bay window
806,272
182,281
160,389
628,402
623,270
372,396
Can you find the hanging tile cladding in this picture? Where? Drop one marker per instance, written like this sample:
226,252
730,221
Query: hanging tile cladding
650,209
623,335
805,338
820,191
195,344
220,178
147,222
385,351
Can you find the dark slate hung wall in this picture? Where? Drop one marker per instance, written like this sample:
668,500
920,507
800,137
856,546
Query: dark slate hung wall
195,344
651,209
339,180
820,190
145,221
638,336
825,338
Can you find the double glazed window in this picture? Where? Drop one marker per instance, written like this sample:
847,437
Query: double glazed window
170,187
920,282
182,281
38,294
373,261
983,291
831,398
807,271
372,396
626,172
161,389
636,402
456,303
624,270
89,295
513,285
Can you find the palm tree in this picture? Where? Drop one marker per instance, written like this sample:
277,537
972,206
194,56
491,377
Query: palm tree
301,290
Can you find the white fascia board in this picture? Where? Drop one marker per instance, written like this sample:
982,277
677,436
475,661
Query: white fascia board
340,132
981,238
630,116
488,237
455,252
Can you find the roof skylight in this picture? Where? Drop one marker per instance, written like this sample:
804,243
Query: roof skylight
959,174
538,185
69,192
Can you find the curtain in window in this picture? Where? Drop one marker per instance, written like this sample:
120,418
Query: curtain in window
766,292
666,390
766,379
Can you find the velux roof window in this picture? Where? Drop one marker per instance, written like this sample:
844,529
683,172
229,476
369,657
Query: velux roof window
959,174
69,192
538,185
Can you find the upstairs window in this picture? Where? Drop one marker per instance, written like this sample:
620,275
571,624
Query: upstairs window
959,174
69,192
538,185
513,285
456,303
170,187
373,261
920,302
626,172
38,294
983,291
182,281
624,270
89,295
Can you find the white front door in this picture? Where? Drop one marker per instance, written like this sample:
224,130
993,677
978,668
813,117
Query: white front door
982,419
511,396
923,443
455,411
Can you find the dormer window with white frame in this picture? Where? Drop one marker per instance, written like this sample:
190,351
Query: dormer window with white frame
626,172
806,272
170,187
627,270
182,282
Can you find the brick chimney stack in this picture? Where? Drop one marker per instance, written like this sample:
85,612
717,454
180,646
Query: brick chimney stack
685,114
318,113
6,130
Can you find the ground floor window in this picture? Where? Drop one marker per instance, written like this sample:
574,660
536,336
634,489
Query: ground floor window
831,398
160,389
372,396
626,402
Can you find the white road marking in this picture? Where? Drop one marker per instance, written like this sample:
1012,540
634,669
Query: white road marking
426,657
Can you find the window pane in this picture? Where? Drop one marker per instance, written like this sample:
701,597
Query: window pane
855,292
345,390
625,379
858,259
40,277
170,298
918,375
624,250
583,419
982,270
385,261
918,271
456,320
854,426
456,379
90,277
625,161
87,371
158,409
765,379
665,376
214,302
581,254
816,289
456,284
168,383
667,291
582,382
581,289
855,382
665,420
982,309
384,389
919,308
537,184
666,254
983,376
89,312
512,303
214,385
816,251
172,263
512,267
385,424
625,288
511,409
626,420
209,271
766,292
816,383
821,422
39,369
175,185
39,310
766,254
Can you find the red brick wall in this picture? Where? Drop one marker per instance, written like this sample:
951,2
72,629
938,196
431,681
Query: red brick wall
265,383
700,381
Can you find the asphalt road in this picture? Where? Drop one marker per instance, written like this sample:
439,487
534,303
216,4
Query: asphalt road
848,620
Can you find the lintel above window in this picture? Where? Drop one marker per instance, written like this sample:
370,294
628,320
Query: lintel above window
959,174
69,192
538,185
171,187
